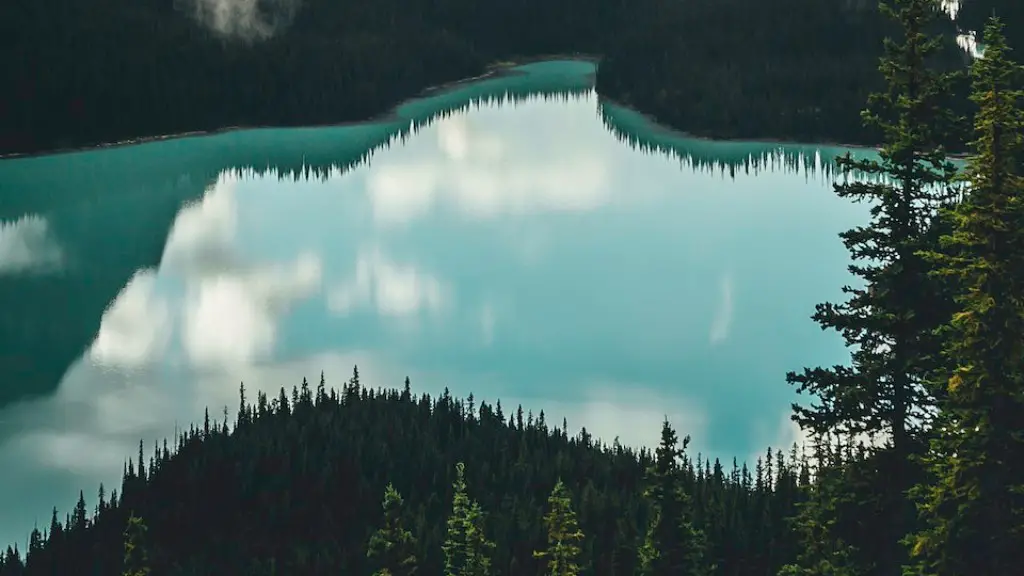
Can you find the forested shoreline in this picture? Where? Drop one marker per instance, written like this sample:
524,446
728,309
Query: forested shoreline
118,70
916,465
494,71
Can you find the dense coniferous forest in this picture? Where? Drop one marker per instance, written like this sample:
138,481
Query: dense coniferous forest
110,70
915,465
972,15
749,75
299,480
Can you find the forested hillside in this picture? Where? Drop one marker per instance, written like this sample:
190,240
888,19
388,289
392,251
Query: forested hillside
794,69
81,73
295,487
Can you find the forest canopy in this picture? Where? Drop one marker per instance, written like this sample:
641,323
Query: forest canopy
104,71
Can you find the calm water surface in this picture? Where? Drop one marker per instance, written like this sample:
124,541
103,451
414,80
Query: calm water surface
519,250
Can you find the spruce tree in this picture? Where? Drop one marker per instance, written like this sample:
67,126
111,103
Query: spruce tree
56,531
564,535
79,519
392,547
466,547
673,545
889,322
974,509
136,560
35,542
822,553
480,547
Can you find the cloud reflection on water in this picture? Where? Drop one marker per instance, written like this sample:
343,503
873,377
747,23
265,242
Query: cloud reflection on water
485,175
27,245
393,289
519,254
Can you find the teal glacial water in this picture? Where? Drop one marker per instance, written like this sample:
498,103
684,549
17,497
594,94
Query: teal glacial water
512,237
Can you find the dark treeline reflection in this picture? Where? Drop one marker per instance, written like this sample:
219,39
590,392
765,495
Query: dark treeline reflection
110,70
110,212
79,195
294,485
727,158
316,165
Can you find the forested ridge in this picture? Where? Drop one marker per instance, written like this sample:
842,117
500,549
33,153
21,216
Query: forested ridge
297,482
81,73
916,465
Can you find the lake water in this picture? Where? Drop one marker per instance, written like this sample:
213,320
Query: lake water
550,250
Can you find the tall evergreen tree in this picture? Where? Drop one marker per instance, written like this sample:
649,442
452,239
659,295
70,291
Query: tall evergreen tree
466,547
35,542
79,517
56,531
673,545
392,547
564,535
889,322
136,559
974,509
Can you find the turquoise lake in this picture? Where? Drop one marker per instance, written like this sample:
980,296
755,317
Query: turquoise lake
514,237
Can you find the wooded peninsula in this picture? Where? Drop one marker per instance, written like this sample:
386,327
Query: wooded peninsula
78,74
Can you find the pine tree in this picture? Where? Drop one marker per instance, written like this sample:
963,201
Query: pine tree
466,547
35,542
242,415
889,323
136,560
974,510
673,546
56,531
822,553
407,392
479,545
564,535
79,517
392,547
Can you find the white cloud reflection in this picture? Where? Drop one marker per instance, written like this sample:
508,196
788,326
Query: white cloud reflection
180,338
135,328
722,322
483,174
231,319
487,323
28,245
230,309
392,289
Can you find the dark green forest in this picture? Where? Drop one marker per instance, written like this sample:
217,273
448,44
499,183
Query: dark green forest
786,69
915,465
82,73
973,14
298,481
